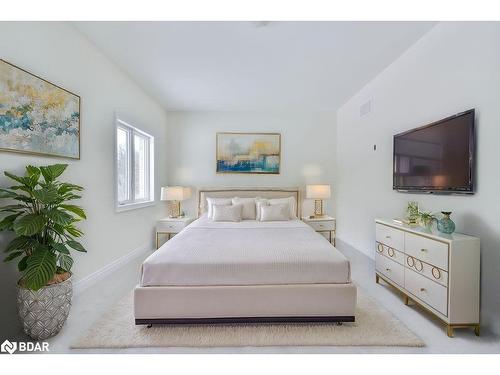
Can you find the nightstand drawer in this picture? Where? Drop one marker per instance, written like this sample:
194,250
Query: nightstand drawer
174,227
322,225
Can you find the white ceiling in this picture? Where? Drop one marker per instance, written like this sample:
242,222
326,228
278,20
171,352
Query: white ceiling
253,65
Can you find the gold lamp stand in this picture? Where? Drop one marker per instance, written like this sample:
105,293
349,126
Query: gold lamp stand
318,208
174,209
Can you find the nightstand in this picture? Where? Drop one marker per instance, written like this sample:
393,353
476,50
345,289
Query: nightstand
324,225
170,227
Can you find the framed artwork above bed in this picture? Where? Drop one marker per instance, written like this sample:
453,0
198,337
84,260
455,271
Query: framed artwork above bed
36,116
254,153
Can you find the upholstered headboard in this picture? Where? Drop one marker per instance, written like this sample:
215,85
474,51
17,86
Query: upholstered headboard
245,192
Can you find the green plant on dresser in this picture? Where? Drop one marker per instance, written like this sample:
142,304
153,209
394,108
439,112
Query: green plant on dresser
43,218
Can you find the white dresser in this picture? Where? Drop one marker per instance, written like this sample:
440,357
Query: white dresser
439,272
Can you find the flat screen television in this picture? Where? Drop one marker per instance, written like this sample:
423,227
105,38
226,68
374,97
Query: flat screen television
436,158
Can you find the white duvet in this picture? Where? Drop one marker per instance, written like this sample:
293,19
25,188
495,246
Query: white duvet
245,253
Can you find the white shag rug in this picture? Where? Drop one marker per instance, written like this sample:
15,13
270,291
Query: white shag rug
374,326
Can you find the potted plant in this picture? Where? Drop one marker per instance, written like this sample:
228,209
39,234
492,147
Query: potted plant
426,219
43,221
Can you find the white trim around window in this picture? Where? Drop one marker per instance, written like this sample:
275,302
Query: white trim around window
134,167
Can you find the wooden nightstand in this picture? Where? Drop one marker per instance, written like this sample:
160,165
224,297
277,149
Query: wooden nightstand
170,227
324,225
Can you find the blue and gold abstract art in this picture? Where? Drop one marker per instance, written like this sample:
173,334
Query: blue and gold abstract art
36,116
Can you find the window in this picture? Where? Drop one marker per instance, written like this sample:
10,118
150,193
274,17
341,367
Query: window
134,167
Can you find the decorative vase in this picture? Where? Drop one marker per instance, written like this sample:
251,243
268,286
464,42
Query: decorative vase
412,211
43,312
445,224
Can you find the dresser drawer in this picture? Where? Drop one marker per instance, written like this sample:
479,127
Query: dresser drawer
391,253
322,225
431,293
165,226
390,236
432,272
427,250
389,268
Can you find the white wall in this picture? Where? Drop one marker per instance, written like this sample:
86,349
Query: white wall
307,149
60,54
454,67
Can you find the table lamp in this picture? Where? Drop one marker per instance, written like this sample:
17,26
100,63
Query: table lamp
318,193
175,194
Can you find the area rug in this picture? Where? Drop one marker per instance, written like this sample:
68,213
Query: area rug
374,326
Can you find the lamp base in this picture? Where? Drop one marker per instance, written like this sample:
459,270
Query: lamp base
318,209
174,210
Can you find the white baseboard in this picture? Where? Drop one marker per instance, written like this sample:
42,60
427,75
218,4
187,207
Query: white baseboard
80,285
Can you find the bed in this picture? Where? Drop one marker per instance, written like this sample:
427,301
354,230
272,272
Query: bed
248,271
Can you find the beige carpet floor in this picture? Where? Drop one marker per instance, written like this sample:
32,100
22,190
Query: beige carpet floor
374,326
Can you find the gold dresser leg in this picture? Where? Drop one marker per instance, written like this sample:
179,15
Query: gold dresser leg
377,278
477,330
449,330
406,300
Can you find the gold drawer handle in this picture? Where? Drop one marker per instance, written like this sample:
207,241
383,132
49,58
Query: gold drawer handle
421,266
387,236
423,250
380,248
389,251
422,289
436,271
412,261
387,269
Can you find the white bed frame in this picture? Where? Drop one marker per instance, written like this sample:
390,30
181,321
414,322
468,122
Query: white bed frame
245,303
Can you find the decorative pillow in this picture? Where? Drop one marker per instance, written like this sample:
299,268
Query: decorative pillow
248,211
259,202
227,213
217,201
291,202
275,212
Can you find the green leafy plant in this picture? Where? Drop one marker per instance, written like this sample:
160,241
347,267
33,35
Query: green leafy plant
43,220
426,218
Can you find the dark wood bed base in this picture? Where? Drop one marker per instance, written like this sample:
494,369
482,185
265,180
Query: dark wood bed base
272,319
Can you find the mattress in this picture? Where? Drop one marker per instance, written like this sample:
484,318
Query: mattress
250,252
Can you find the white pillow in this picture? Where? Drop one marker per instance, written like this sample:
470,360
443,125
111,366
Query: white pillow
259,202
248,212
291,202
217,201
276,212
227,213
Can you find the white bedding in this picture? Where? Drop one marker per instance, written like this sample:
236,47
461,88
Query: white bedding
245,253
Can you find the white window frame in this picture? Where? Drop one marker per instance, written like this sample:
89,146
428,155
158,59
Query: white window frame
132,203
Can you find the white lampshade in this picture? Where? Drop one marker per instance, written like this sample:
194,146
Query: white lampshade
318,191
175,193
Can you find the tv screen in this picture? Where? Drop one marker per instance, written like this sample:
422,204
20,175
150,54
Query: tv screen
438,157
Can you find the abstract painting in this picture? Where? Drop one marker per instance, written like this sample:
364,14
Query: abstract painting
36,116
248,153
